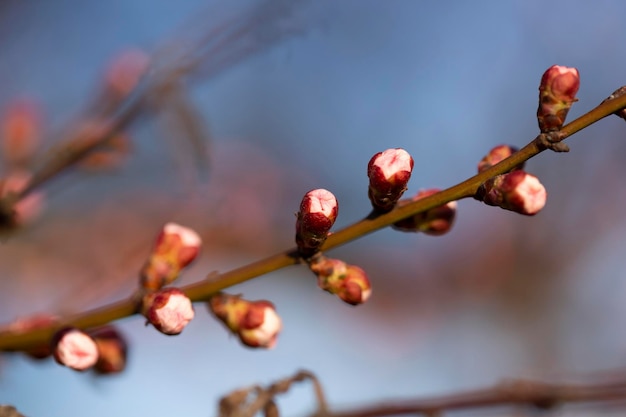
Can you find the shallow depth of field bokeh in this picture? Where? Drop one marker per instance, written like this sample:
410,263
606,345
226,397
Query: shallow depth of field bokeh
501,295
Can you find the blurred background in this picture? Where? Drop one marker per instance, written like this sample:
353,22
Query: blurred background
323,86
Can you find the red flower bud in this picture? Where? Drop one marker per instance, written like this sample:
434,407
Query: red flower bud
435,222
112,350
516,191
496,155
389,173
169,310
318,212
175,248
348,282
255,322
75,349
557,93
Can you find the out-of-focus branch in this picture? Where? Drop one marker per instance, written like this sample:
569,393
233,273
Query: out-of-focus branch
536,394
218,49
540,395
201,291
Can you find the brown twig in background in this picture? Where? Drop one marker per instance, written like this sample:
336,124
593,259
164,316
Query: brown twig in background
540,395
249,401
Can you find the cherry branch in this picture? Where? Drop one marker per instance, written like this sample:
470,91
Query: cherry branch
201,291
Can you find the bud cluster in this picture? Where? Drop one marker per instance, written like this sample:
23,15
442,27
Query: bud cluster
349,282
318,212
389,173
169,310
102,349
557,93
256,323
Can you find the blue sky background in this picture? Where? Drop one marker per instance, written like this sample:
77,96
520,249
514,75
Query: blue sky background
445,80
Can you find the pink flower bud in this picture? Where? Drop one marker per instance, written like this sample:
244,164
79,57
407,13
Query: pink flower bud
557,93
169,310
255,322
318,212
75,349
497,155
618,93
516,191
435,222
125,72
112,350
21,131
175,248
389,173
348,282
34,322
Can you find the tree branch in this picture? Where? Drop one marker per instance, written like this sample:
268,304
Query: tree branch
202,290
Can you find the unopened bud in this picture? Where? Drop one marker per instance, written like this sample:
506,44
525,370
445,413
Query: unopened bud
516,191
557,93
348,282
75,349
175,248
112,350
255,322
496,155
21,131
618,93
125,71
389,173
169,310
435,222
34,322
318,212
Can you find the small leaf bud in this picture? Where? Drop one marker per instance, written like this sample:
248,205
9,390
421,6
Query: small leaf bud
175,248
169,310
318,212
497,155
255,322
516,191
75,349
436,221
618,93
112,350
389,173
349,282
557,93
